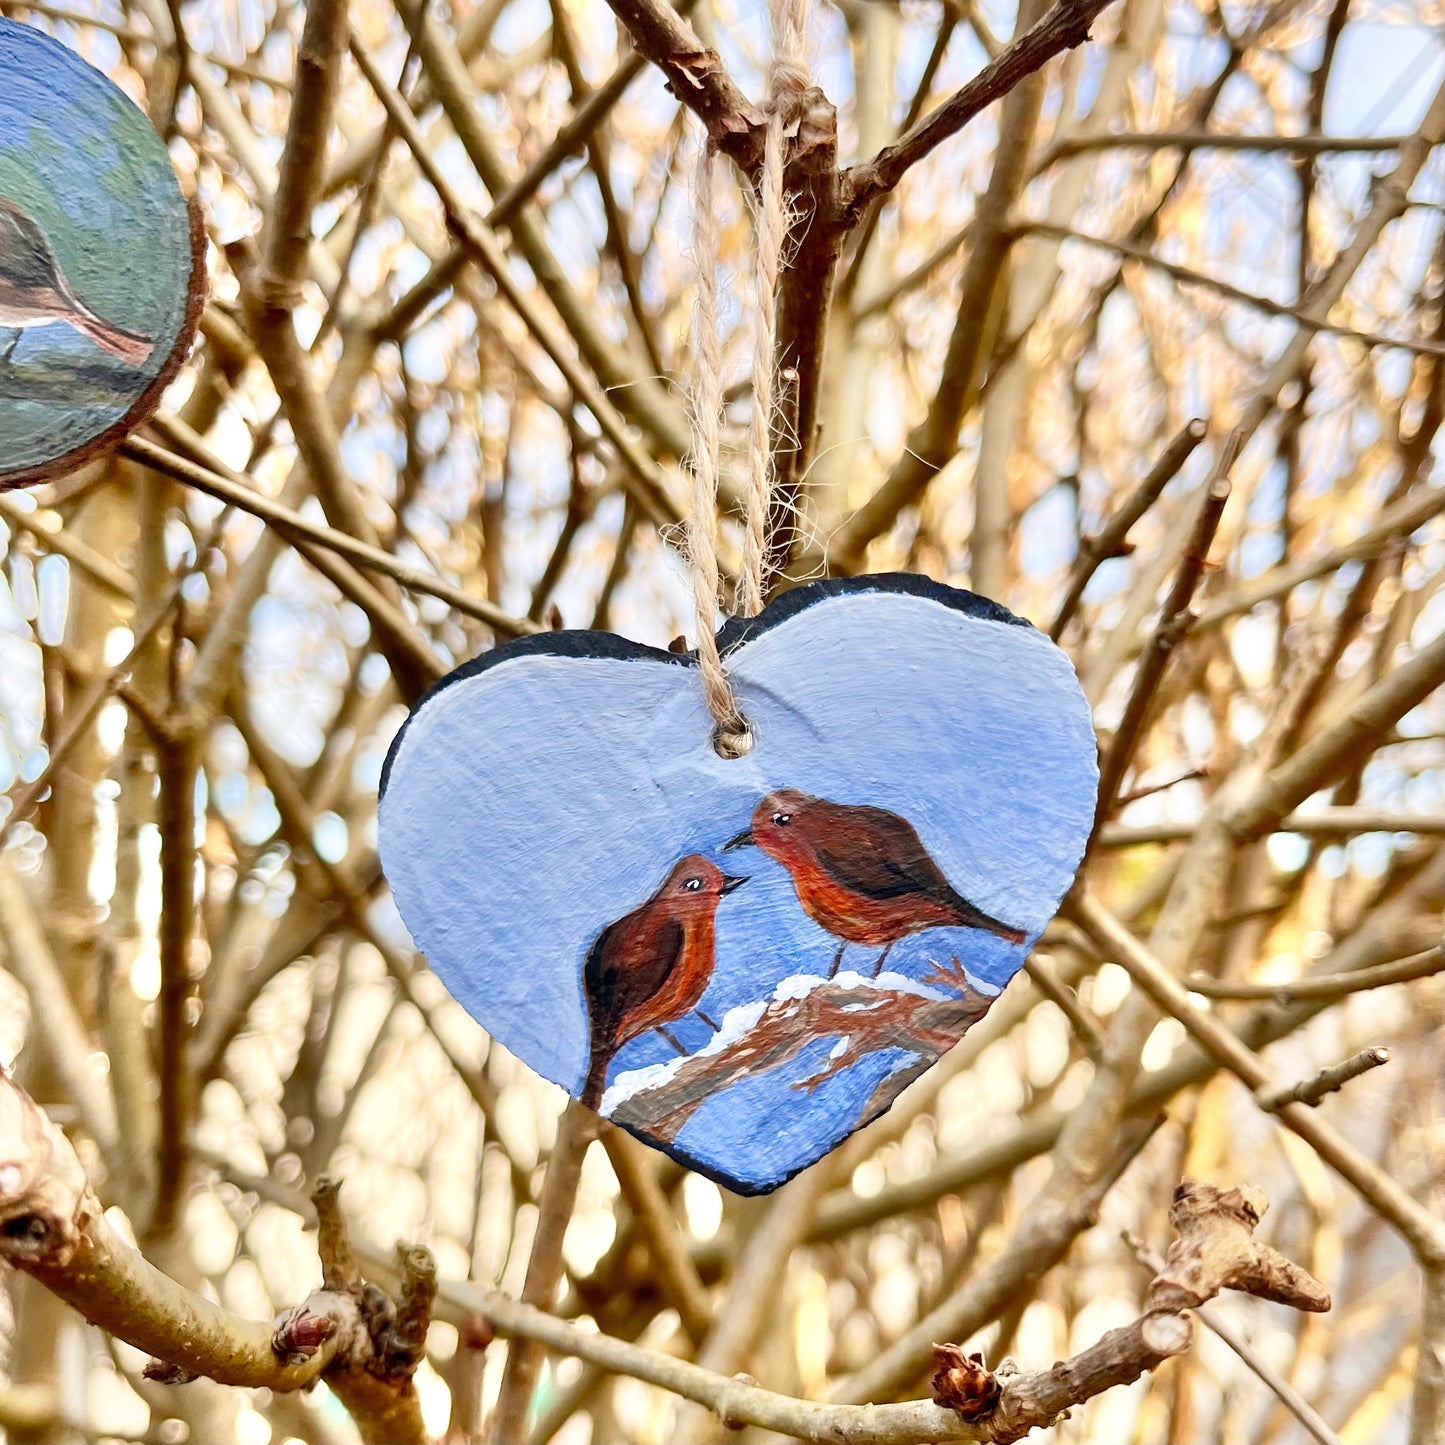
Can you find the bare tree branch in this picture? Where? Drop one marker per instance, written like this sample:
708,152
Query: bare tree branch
52,1227
697,77
1064,27
1424,1233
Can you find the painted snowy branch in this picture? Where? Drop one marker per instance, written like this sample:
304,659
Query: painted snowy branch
865,1015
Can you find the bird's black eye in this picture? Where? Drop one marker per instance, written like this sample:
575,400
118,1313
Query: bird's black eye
692,884
782,819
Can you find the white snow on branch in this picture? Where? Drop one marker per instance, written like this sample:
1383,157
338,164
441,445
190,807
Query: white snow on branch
738,1022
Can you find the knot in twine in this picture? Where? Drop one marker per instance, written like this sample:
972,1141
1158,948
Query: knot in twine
788,78
788,75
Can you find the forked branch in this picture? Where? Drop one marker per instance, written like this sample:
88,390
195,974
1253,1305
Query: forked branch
1064,27
1215,1250
366,1345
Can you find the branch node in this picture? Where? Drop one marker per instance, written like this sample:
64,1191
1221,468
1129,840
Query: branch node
167,1374
1216,1250
45,1199
302,1330
1166,1333
1326,1082
400,1342
963,1383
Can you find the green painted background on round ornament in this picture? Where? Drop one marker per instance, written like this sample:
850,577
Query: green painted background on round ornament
86,165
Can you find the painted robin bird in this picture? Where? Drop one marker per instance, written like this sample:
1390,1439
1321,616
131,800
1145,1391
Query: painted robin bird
34,292
652,965
862,874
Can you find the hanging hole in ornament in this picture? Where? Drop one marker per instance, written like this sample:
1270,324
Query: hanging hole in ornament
734,740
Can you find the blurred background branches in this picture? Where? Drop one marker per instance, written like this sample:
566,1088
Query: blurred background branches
1142,336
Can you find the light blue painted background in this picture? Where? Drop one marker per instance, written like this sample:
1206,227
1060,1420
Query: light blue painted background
536,802
86,165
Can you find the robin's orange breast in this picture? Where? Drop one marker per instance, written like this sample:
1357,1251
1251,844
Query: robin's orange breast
857,918
683,987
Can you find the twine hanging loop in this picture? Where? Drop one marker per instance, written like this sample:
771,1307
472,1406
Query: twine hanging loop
787,80
731,737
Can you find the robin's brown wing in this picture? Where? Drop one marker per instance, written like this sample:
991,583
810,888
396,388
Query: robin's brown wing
879,855
629,963
874,853
25,256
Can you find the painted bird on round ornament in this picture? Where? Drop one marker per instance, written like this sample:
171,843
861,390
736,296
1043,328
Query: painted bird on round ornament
34,292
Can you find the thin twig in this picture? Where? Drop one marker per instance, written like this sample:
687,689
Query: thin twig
1112,539
1327,1081
178,750
1191,140
1215,1250
1318,823
575,1132
1418,1225
97,567
1064,27
1311,320
1174,622
697,76
643,475
1337,985
56,1025
633,1167
1401,520
1359,732
239,493
80,718
1085,1024
1281,1388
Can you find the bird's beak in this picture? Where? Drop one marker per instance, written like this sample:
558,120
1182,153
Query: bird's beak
740,841
728,884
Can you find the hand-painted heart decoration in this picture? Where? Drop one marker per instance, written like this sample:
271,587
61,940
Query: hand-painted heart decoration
742,960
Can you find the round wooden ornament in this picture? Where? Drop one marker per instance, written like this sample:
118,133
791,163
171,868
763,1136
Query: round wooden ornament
743,960
102,261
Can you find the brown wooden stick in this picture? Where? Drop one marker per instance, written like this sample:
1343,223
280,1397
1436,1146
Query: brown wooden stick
1420,1228
1064,27
1112,539
576,1130
52,1227
634,1169
1321,760
1173,624
697,77
1416,965
238,492
1327,1081
1187,276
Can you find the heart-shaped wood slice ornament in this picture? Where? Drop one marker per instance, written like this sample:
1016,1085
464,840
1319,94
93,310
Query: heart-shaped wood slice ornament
743,960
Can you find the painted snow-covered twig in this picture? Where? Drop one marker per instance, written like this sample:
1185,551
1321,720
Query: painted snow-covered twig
863,1014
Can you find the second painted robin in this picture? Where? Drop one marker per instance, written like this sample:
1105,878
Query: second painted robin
861,873
34,292
652,965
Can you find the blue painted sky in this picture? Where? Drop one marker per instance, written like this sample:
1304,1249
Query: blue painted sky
533,804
